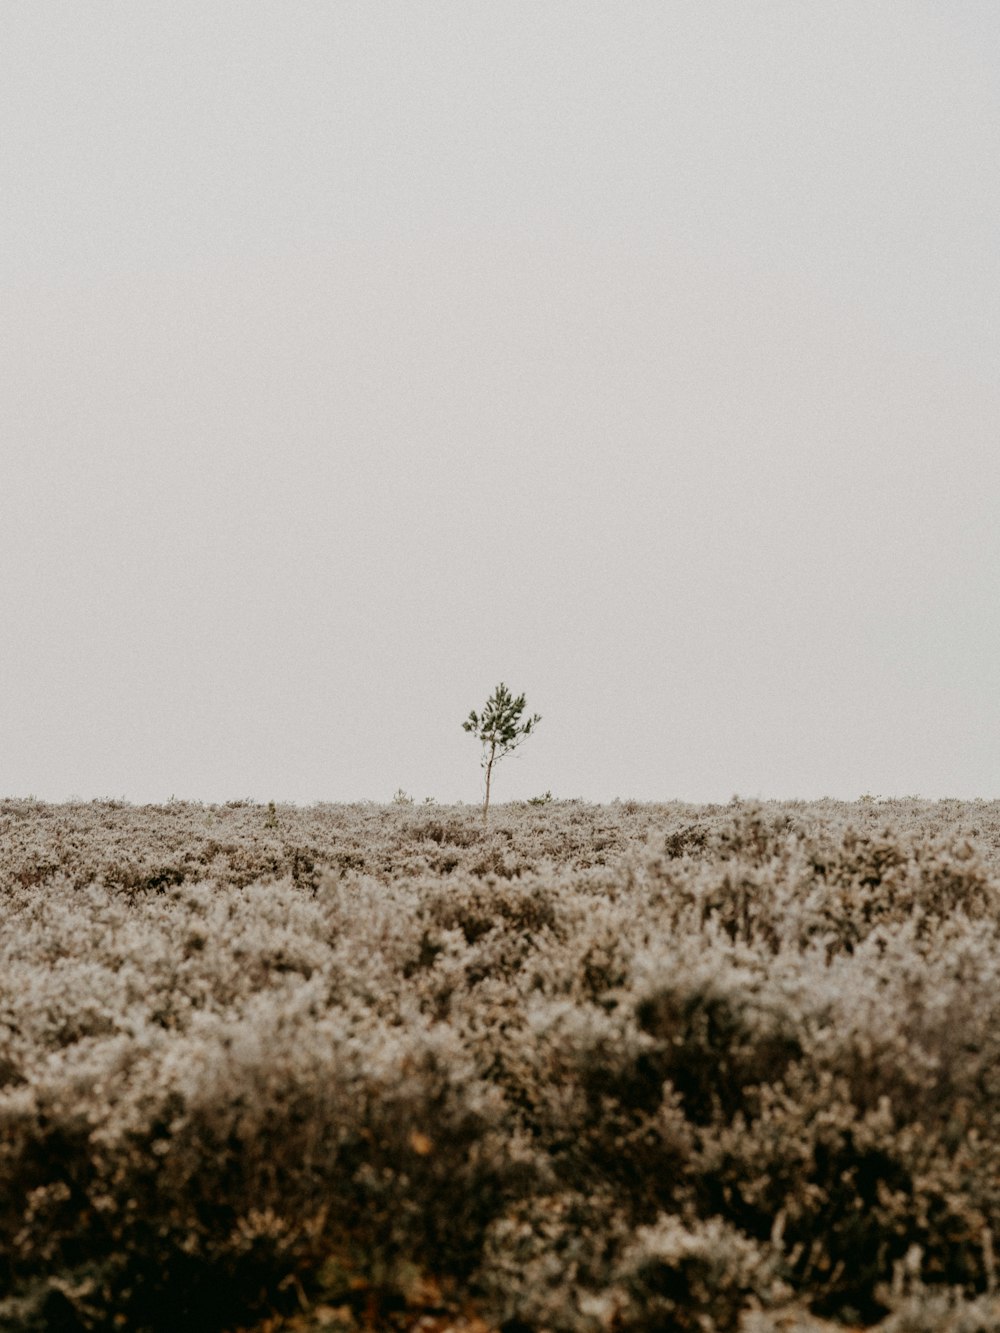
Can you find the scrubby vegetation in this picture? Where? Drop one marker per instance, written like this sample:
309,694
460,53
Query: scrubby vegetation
627,1068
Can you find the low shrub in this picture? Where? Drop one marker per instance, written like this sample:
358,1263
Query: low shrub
592,1069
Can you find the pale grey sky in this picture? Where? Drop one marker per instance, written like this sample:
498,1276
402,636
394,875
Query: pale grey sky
355,357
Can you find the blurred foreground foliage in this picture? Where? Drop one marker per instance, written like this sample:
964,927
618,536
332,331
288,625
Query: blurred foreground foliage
627,1067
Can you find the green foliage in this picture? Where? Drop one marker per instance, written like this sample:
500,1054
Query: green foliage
500,728
540,800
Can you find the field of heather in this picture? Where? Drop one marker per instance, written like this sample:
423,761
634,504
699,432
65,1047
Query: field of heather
625,1067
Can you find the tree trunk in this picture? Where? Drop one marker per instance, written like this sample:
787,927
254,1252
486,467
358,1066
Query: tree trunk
489,772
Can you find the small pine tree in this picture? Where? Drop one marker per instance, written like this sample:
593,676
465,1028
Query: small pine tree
499,728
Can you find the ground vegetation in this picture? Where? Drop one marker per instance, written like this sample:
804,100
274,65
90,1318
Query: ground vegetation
628,1067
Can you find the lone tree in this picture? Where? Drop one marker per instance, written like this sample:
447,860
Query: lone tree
500,729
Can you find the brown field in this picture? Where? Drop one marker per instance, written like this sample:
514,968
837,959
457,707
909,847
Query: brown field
627,1067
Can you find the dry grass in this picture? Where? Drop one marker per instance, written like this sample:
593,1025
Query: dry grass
625,1068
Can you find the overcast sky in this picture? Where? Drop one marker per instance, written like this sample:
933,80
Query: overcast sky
355,357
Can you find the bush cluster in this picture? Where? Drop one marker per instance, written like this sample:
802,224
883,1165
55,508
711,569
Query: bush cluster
618,1068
